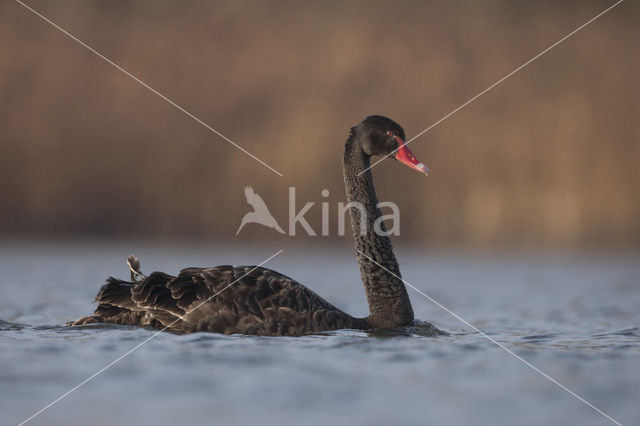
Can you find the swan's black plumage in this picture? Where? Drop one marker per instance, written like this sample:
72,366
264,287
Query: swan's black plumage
259,301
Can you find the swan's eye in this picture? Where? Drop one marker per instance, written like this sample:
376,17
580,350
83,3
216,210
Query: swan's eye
389,133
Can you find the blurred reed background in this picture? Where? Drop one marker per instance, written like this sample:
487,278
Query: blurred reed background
550,158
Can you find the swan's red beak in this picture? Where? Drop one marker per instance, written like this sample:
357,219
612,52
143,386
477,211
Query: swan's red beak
406,157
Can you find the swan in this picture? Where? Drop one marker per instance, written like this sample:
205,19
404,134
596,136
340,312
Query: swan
259,301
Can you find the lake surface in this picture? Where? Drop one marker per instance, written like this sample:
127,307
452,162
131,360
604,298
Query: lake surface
575,317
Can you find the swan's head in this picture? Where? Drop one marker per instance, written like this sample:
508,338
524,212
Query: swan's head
384,137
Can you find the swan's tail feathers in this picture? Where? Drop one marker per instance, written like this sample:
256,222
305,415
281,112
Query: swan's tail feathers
116,292
134,266
114,305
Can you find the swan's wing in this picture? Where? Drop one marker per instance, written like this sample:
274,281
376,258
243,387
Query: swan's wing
247,300
145,303
224,299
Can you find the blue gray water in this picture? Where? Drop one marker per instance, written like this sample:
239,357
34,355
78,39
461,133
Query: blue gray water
576,317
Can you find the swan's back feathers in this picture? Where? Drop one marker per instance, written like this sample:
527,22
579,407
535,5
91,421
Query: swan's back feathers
224,299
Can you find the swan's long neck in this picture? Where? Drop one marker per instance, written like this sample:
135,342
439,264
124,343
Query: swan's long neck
389,304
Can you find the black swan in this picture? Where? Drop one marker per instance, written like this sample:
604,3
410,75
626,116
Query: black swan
265,302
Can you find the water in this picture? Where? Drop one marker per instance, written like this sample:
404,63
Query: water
576,317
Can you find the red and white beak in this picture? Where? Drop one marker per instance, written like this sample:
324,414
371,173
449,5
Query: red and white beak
404,155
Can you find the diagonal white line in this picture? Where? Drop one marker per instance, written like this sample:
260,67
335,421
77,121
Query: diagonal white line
518,357
91,377
146,86
497,82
